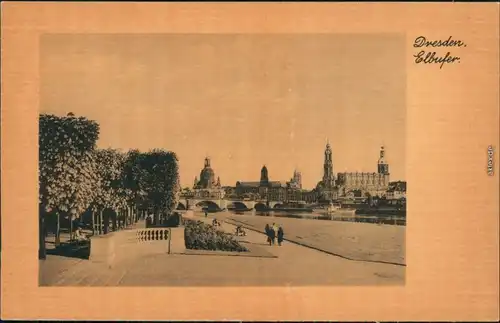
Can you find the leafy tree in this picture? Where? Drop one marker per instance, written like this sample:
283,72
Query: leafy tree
67,177
66,165
160,181
132,175
112,196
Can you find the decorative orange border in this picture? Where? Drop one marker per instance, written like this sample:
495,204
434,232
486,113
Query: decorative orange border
452,232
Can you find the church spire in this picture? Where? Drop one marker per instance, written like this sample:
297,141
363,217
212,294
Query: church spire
328,176
382,155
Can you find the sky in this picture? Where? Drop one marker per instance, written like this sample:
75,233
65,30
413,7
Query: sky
243,100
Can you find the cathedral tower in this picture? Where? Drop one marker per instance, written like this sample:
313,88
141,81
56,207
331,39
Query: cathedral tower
382,166
328,176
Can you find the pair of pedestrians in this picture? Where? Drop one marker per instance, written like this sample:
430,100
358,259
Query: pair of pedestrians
273,232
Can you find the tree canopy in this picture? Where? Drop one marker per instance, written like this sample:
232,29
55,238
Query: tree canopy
67,175
159,180
111,192
74,174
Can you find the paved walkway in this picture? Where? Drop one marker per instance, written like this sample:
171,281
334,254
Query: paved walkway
355,241
295,265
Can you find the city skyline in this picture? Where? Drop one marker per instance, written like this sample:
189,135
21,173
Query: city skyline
335,172
245,100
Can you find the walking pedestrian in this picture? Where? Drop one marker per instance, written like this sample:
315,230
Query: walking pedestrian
273,232
280,235
268,233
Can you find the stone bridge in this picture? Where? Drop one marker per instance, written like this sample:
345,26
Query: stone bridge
190,203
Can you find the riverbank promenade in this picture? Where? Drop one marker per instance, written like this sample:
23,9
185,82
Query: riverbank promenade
324,254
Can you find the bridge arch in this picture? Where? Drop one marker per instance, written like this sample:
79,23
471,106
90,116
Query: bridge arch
238,205
278,206
181,206
210,205
260,206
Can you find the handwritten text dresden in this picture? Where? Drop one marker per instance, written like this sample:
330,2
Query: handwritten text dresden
430,56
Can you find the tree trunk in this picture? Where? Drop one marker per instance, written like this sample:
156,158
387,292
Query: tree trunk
41,230
58,229
101,221
115,216
124,216
93,221
71,227
98,217
106,221
156,217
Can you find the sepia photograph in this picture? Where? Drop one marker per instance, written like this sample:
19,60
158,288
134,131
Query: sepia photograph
222,159
250,161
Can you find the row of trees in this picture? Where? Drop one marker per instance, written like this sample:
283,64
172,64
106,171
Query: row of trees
75,177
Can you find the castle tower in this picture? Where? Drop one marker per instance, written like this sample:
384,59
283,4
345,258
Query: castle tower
382,166
328,176
264,178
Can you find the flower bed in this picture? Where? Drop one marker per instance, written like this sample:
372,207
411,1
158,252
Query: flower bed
201,236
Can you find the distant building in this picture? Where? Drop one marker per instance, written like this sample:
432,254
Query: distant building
229,191
326,189
296,181
372,183
352,184
396,191
310,196
207,186
345,185
264,189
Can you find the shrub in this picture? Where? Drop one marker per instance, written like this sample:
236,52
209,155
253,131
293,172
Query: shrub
201,236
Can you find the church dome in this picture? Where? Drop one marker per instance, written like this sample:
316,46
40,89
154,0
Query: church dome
207,176
264,177
207,173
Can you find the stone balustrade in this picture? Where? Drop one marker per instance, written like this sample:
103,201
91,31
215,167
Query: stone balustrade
120,246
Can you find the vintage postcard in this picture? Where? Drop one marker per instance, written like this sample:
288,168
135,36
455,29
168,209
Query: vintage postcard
272,161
